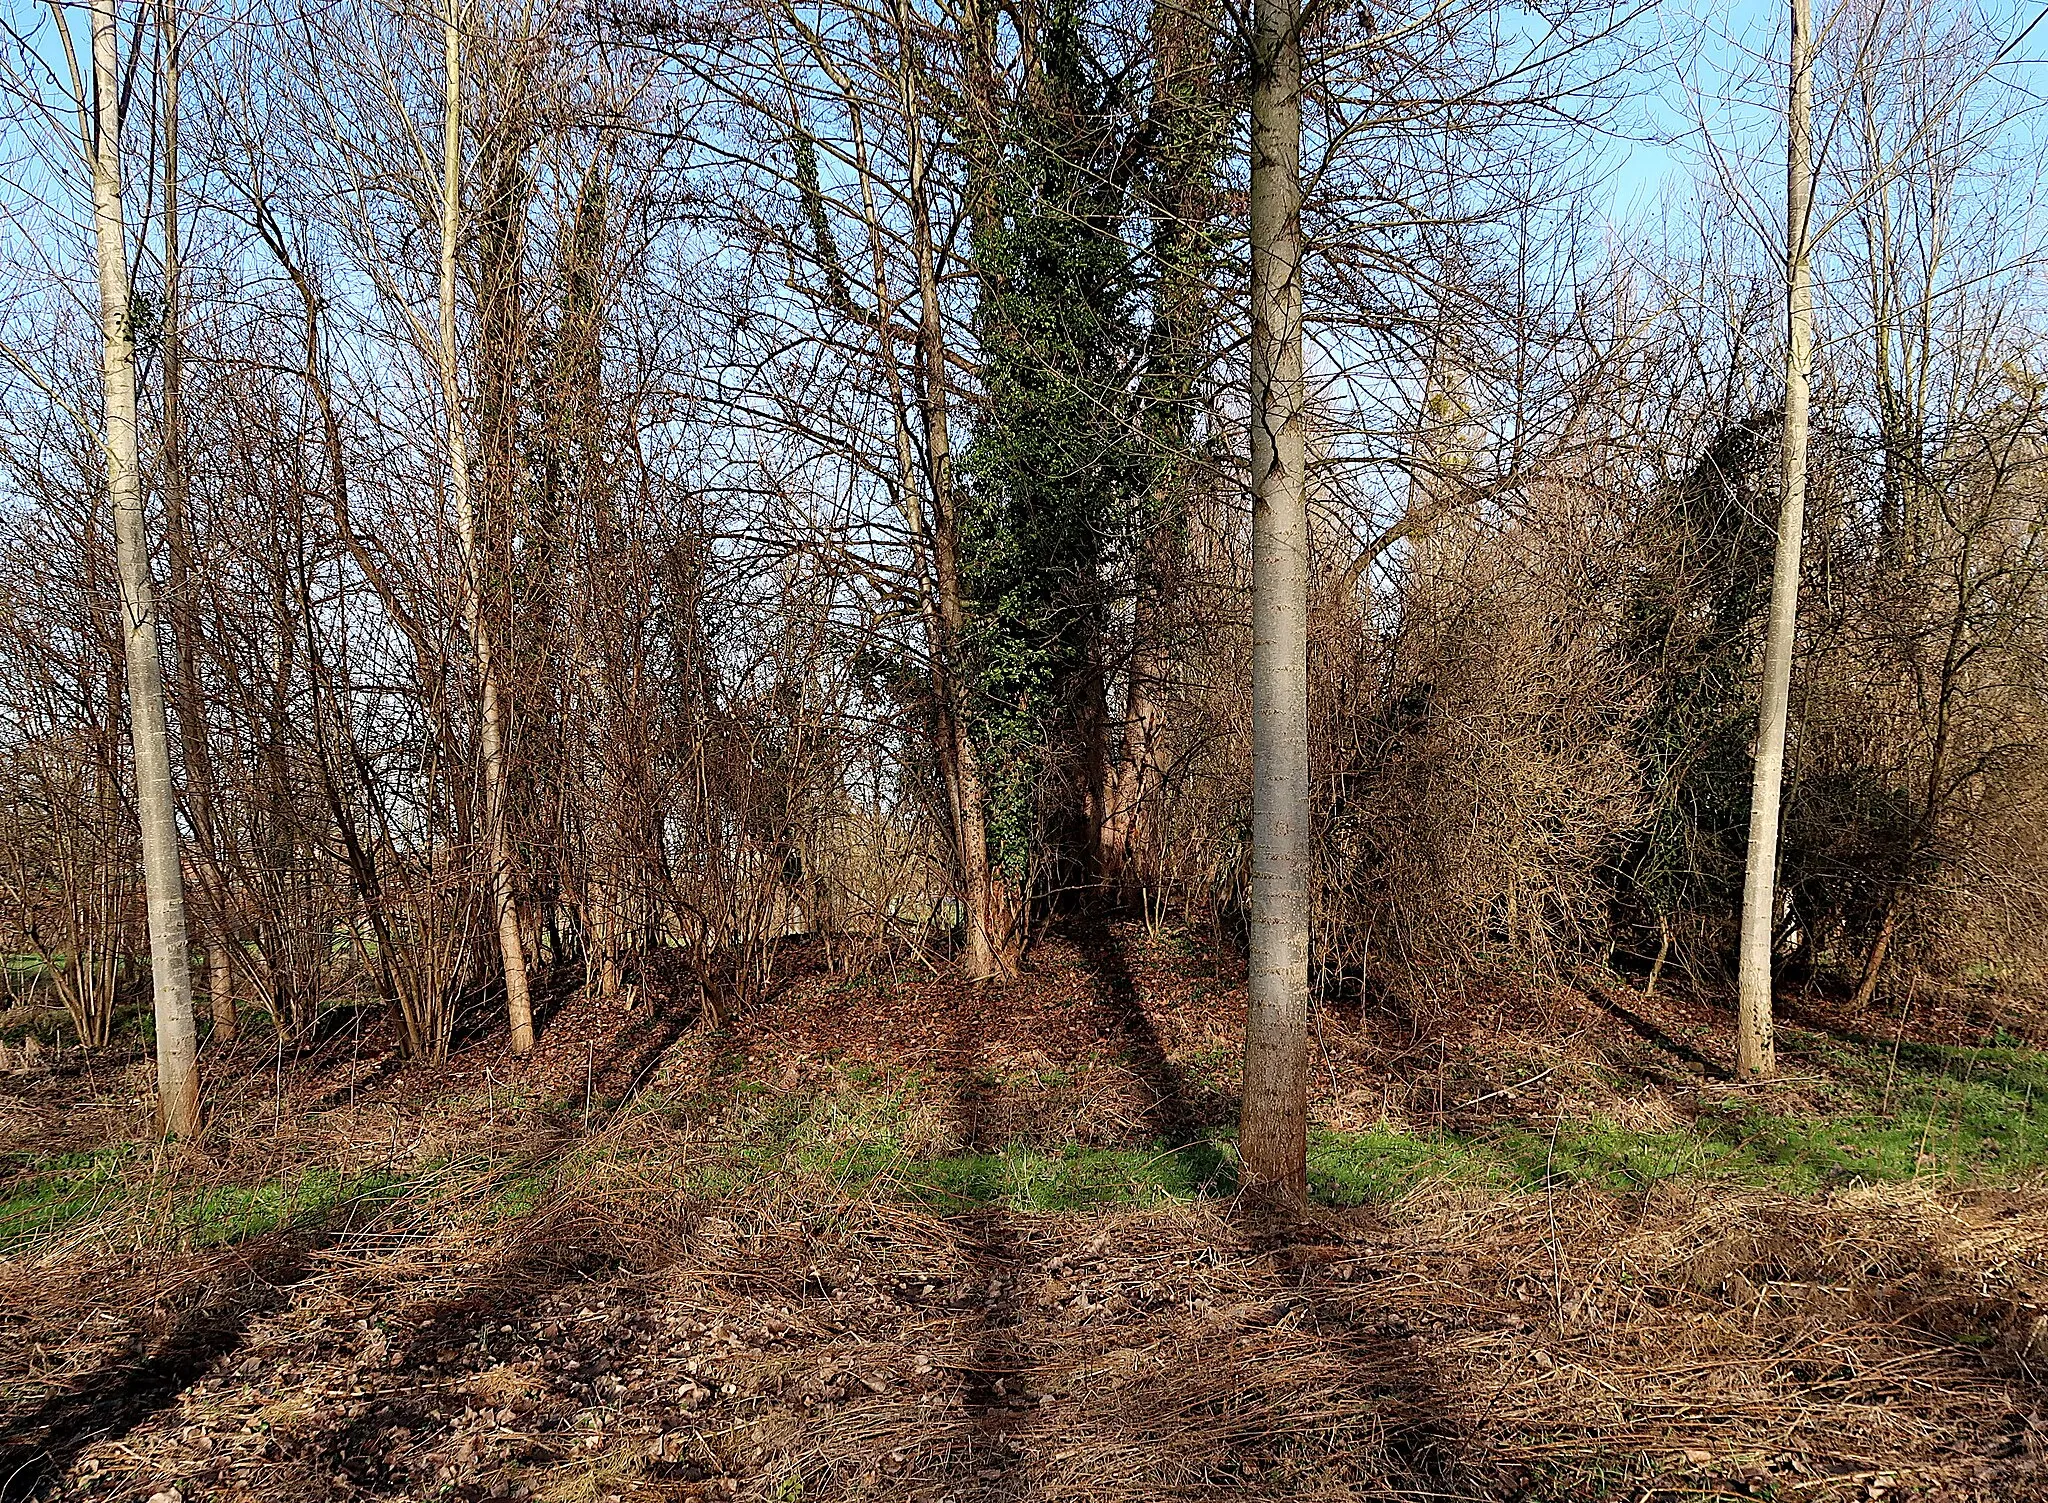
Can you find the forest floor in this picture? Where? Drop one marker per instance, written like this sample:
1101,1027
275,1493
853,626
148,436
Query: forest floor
892,1236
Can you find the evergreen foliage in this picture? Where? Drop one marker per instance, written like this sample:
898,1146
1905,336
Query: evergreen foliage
1055,473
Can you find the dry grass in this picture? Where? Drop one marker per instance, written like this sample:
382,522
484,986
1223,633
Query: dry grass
632,1339
500,1298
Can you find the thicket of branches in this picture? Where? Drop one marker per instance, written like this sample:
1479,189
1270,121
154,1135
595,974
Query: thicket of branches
853,416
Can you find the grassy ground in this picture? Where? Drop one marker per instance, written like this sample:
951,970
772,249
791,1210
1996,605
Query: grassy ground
891,1237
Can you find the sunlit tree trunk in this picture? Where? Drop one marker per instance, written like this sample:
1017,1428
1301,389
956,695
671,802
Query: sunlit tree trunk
504,899
1755,1054
993,916
177,1066
1273,1136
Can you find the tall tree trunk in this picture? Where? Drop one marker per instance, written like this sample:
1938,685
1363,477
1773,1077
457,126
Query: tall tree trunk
1755,1054
521,597
1273,1136
994,912
1096,760
177,1064
220,984
504,899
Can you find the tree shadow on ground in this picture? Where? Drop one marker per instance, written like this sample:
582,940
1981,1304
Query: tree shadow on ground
1022,1426
1178,1114
148,1372
1029,1426
1651,1034
128,1388
674,995
1005,1093
1426,1437
628,1062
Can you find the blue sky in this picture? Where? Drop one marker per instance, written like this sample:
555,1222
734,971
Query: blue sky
1710,48
1703,45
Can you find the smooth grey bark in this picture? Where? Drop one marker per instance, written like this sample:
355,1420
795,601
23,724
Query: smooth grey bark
1273,1132
1755,1053
163,876
490,735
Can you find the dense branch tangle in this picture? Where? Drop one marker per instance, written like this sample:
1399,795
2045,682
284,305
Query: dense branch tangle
631,489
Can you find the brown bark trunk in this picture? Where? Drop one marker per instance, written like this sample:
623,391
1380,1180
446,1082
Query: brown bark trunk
994,912
199,778
1095,768
504,895
220,990
1873,965
1663,954
1186,124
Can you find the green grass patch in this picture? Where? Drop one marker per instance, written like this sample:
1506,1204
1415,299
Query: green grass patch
49,1196
1020,1177
46,1195
1035,1179
886,1134
227,1214
518,1197
1968,1115
1964,1114
1879,1113
1360,1168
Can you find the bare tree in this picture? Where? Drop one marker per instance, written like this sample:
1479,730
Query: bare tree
177,1063
1755,1055
180,584
511,944
1273,1137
